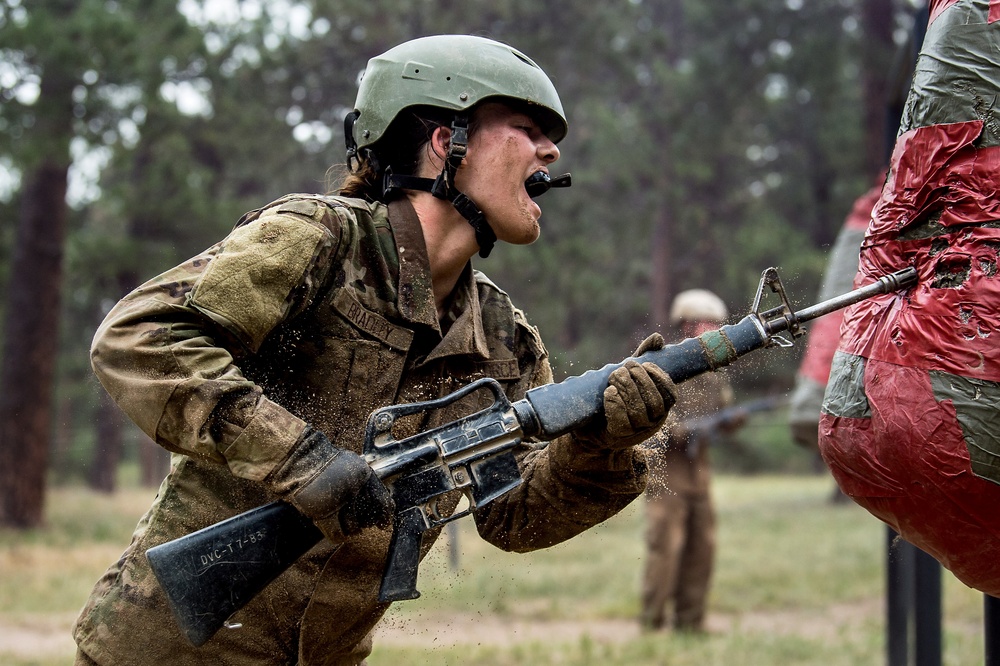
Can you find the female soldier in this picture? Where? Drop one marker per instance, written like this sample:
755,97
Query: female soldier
258,362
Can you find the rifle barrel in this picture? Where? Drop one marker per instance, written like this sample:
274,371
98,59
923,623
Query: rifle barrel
884,285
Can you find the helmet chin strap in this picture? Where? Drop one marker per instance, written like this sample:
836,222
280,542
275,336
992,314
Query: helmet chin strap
443,187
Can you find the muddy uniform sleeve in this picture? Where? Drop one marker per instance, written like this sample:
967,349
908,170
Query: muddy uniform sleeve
166,352
569,486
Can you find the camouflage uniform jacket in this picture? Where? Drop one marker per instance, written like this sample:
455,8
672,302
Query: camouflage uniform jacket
314,310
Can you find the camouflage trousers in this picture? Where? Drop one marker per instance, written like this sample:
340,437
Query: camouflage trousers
680,553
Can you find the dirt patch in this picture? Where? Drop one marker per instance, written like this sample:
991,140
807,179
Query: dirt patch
448,630
430,630
49,636
42,636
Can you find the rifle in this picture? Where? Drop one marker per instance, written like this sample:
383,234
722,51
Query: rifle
212,573
705,427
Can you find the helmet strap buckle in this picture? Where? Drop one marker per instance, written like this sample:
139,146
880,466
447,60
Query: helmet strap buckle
458,145
443,187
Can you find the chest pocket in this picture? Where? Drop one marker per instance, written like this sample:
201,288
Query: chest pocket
335,365
362,363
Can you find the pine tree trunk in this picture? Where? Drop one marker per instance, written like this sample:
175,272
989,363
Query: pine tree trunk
31,337
877,19
662,288
31,328
671,21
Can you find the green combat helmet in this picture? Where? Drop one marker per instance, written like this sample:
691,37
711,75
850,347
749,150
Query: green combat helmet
452,72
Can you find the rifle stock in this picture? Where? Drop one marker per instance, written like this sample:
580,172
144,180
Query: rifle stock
210,574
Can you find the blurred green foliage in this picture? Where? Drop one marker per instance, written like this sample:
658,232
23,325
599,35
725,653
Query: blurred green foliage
740,124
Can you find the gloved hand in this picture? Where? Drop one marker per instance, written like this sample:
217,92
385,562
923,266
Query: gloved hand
333,487
636,401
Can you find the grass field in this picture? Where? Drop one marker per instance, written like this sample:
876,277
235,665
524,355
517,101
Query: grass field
798,581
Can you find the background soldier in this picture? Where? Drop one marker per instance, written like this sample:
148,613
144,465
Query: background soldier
680,531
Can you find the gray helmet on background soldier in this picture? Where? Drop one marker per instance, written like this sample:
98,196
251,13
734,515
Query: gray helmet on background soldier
697,305
447,75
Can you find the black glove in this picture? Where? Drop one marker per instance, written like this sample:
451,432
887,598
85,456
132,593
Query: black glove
333,487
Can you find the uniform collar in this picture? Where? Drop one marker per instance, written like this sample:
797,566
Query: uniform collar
416,294
465,335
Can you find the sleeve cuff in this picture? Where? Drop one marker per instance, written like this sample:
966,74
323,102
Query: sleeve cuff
615,470
266,441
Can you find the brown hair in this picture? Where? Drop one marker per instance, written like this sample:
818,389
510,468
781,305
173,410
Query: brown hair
398,149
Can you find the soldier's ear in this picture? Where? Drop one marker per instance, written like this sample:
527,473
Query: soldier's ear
440,141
